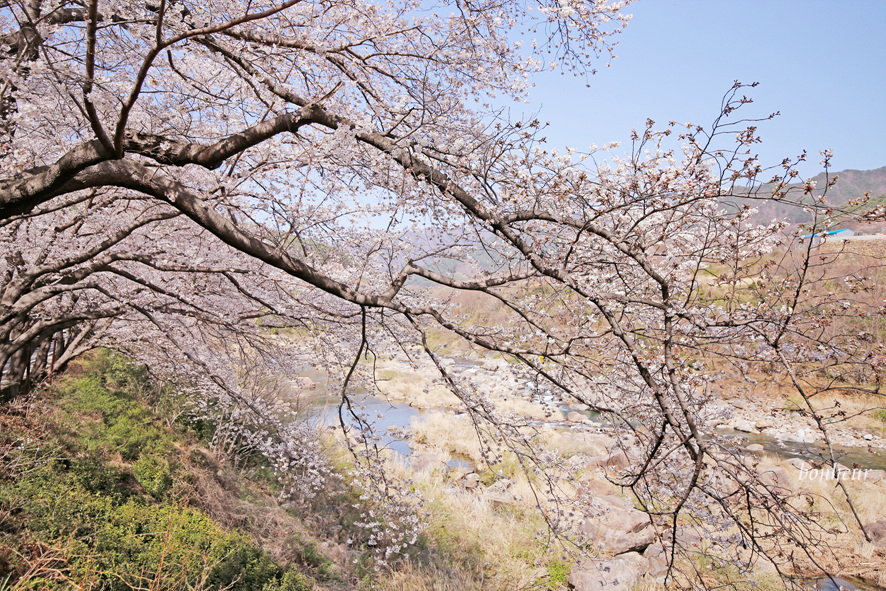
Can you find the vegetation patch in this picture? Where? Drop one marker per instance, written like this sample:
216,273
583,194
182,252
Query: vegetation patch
93,495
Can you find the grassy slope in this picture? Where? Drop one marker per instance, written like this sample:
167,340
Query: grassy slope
99,492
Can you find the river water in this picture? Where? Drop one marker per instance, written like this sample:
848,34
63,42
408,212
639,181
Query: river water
395,414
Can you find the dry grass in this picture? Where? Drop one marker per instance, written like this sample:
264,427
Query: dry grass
448,434
568,443
397,381
853,556
484,546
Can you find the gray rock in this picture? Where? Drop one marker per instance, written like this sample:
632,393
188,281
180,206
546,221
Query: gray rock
685,538
744,426
498,498
303,383
877,532
502,484
621,573
764,423
576,417
618,530
657,557
616,459
471,480
754,448
497,493
874,476
776,478
457,473
799,464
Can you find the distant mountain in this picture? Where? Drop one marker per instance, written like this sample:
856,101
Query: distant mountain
851,184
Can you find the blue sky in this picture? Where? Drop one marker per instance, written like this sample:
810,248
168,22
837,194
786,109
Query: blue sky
821,63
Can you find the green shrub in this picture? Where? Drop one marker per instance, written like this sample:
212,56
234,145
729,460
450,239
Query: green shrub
125,426
307,554
290,581
175,546
154,473
558,573
134,543
92,516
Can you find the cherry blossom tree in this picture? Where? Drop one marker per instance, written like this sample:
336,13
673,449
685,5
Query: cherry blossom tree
181,177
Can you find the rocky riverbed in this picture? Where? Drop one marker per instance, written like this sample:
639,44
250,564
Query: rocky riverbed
781,445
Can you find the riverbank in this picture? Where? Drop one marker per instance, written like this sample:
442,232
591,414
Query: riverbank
435,436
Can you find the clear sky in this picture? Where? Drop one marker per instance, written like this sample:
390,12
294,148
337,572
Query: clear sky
821,63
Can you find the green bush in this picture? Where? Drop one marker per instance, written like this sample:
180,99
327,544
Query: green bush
307,554
72,501
290,581
558,573
133,543
125,426
154,473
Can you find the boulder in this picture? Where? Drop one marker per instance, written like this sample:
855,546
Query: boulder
471,480
497,494
754,448
875,476
775,478
618,530
744,426
616,459
498,498
877,532
799,464
685,538
457,473
657,556
621,573
765,423
596,487
303,383
576,417
614,501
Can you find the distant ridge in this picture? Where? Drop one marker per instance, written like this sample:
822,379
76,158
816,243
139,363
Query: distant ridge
851,184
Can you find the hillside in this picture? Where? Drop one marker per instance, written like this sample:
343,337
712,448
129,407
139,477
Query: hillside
852,184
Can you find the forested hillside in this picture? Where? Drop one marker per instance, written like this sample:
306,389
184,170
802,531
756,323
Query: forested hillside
851,185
